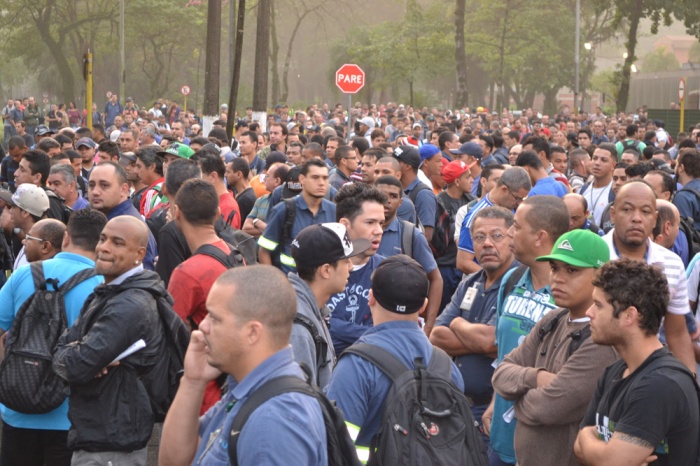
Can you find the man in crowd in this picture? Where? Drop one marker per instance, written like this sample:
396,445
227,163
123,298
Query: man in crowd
111,417
28,205
551,376
466,329
245,336
421,195
41,438
62,182
688,174
599,192
645,406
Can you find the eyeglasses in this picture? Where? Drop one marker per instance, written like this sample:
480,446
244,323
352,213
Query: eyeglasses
494,237
517,198
34,238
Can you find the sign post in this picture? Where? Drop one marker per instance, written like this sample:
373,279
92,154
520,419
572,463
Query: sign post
681,97
350,79
185,90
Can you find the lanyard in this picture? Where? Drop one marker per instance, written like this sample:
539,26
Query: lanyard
617,252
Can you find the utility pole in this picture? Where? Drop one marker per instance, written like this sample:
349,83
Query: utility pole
122,60
212,65
262,54
236,73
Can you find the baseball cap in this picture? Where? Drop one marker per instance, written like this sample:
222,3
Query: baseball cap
417,125
428,150
178,149
469,148
28,197
292,186
368,121
43,130
408,155
325,243
114,135
130,156
580,248
400,285
454,170
85,142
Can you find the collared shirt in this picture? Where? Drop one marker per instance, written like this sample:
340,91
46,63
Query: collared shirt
272,236
673,268
548,186
19,287
286,426
260,208
129,273
391,245
481,309
465,236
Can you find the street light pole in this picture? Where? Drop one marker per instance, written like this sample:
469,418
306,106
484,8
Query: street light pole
576,54
122,62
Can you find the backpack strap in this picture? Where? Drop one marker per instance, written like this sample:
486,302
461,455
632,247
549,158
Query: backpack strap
694,191
212,251
384,360
319,343
38,276
513,279
231,216
289,217
407,238
76,279
440,363
268,390
413,195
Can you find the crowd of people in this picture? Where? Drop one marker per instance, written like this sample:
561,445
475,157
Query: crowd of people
553,258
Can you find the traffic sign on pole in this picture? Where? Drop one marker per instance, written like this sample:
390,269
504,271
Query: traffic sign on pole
350,79
681,97
185,90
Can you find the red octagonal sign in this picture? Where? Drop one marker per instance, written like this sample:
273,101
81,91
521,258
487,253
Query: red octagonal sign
350,78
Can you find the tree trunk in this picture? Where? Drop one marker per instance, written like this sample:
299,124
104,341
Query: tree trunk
501,60
550,101
462,94
631,45
288,57
274,54
43,25
213,58
262,48
236,74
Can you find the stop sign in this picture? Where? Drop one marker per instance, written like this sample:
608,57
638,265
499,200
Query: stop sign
350,78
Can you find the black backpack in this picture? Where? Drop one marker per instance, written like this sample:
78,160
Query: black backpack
234,259
28,383
426,419
240,240
341,449
163,379
577,337
444,227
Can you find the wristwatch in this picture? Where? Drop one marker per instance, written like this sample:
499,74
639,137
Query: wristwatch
255,221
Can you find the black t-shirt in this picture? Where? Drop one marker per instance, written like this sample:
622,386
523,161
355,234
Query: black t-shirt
659,406
246,200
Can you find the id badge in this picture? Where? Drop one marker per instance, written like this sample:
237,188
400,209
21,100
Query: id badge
468,299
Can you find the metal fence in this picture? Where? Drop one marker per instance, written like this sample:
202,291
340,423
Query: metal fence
658,90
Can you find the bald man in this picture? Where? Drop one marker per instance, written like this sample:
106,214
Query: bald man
579,214
43,240
634,214
110,412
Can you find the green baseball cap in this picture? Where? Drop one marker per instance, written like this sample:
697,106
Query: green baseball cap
580,248
179,149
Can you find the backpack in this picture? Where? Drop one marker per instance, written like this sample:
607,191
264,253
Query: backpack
234,259
631,144
407,238
28,383
444,228
320,345
687,226
241,241
426,418
163,380
341,449
577,337
413,195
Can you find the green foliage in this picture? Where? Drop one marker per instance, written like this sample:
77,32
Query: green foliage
694,55
660,59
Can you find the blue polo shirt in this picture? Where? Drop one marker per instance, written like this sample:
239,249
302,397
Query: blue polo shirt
476,369
517,313
426,204
15,292
360,388
407,211
548,186
391,245
688,203
286,426
272,236
465,235
350,314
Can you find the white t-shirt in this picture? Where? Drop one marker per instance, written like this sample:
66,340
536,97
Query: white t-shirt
597,199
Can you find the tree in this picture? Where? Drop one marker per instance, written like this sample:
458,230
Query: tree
262,49
462,94
660,59
236,74
658,12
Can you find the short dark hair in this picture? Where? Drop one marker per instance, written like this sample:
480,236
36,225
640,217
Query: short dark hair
98,127
62,139
631,130
311,163
119,171
16,142
220,134
179,171
690,159
445,137
585,130
667,180
148,155
198,202
46,144
609,147
360,143
209,163
389,180
628,283
39,162
351,197
548,213
375,152
84,228
638,169
528,158
539,144
110,148
343,152
488,140
252,135
309,273
241,164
